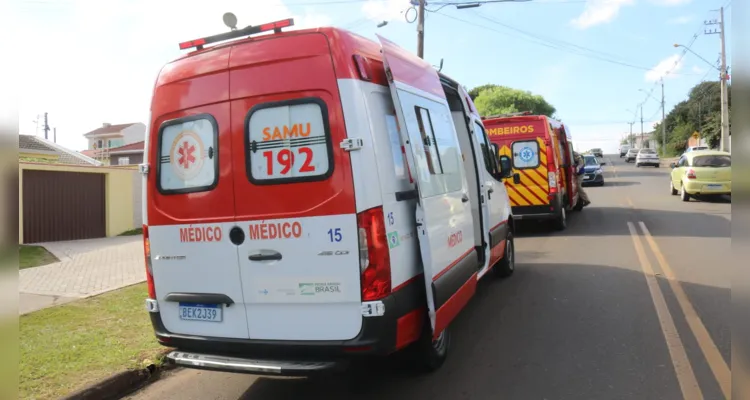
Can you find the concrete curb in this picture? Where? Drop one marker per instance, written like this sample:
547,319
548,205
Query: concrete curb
121,384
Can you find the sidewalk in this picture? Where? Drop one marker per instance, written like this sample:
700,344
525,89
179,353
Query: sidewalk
86,268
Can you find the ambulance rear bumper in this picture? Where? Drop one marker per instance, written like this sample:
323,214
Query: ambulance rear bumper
253,366
377,337
543,212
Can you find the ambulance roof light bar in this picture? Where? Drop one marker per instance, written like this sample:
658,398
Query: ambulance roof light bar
515,114
237,33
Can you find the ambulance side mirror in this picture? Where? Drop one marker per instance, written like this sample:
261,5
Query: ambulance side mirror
506,167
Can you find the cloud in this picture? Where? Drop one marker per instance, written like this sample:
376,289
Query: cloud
698,70
386,10
681,20
671,3
113,52
597,12
665,68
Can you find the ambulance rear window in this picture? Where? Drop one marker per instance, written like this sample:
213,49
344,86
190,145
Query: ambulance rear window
288,142
188,159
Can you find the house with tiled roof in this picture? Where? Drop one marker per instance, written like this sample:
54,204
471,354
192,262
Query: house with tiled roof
40,150
129,154
103,140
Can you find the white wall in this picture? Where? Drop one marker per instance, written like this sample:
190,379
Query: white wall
137,200
134,133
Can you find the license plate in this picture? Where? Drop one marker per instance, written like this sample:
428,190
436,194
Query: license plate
200,312
714,186
588,177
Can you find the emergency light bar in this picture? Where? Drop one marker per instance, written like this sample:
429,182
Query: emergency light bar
515,114
246,31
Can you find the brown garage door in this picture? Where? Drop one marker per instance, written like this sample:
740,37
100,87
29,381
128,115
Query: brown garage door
62,206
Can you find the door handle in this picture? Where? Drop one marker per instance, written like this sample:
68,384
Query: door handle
201,298
273,256
464,198
491,190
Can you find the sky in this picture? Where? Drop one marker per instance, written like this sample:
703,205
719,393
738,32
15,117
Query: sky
86,62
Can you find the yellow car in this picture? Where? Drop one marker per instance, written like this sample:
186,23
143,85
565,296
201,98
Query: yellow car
701,172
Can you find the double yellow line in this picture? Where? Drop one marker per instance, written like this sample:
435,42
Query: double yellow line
683,369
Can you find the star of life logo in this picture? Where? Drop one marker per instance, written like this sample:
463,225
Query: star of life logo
187,155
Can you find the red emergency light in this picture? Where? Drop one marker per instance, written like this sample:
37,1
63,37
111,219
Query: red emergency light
247,31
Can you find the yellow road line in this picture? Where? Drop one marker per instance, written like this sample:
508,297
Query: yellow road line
682,368
717,363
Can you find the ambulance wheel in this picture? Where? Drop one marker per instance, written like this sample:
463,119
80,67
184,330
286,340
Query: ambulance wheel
507,264
561,222
428,354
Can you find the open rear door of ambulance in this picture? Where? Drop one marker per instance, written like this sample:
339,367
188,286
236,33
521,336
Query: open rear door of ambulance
443,215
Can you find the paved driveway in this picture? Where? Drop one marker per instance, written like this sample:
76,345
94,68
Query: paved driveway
86,268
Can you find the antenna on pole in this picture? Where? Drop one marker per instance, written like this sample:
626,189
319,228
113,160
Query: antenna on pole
230,20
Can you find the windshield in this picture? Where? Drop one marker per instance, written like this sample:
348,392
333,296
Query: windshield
713,161
590,161
647,151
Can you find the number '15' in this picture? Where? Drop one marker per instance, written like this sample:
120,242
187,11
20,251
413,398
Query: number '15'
335,234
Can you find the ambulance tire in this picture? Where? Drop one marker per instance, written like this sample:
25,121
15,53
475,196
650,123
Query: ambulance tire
561,221
507,265
429,355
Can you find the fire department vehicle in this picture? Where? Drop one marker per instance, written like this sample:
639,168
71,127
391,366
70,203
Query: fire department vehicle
314,197
543,185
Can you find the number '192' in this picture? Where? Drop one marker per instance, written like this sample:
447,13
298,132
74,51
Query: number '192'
285,158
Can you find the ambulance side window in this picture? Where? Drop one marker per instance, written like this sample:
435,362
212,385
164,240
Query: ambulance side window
442,154
188,155
430,142
486,149
288,142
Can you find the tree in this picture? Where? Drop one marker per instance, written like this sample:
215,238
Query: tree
700,112
494,99
473,93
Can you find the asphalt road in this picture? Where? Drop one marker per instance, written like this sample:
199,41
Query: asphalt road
602,310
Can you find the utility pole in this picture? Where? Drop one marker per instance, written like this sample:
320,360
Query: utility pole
420,30
54,135
631,139
46,127
663,122
723,77
643,144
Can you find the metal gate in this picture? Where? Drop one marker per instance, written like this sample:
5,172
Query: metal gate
63,206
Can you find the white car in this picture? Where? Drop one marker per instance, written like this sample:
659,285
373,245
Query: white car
647,157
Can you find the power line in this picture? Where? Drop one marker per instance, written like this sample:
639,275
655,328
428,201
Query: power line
546,42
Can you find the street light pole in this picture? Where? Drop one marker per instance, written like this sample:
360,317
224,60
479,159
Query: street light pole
631,139
663,122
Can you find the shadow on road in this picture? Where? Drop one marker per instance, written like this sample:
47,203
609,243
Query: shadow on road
643,172
554,331
713,199
617,183
597,221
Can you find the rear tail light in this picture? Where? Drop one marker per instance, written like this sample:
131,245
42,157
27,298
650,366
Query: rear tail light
149,269
374,257
552,181
690,174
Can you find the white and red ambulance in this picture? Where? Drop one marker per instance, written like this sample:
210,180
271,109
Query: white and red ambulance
312,197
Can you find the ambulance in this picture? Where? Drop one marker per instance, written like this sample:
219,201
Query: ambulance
543,186
313,197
